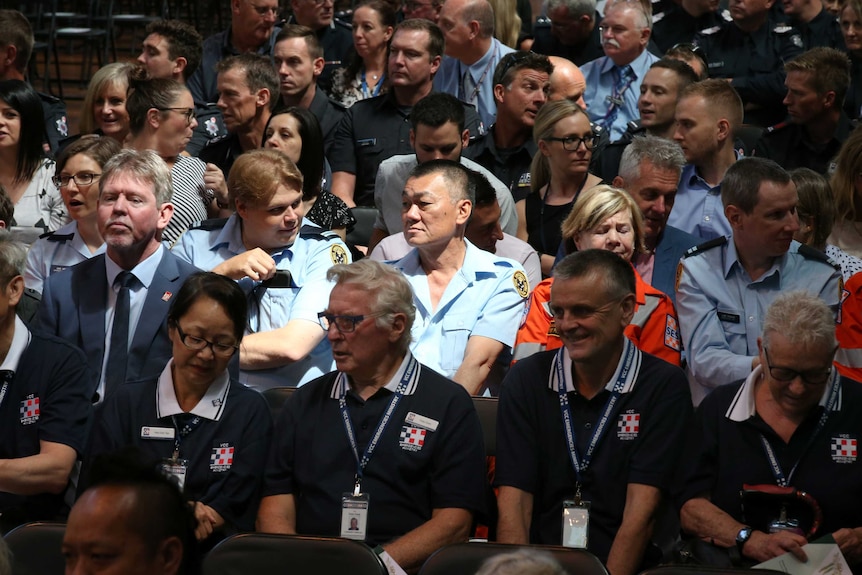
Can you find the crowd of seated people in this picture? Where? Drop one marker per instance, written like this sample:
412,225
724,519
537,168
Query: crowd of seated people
641,216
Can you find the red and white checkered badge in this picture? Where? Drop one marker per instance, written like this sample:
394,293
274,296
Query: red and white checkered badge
222,458
628,425
844,449
412,438
29,410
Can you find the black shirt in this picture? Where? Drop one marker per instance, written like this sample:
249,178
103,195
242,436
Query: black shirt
789,145
511,166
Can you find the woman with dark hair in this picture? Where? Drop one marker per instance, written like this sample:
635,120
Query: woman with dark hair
365,76
162,119
296,132
79,167
25,172
208,431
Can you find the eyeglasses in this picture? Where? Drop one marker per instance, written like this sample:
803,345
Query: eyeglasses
508,62
811,377
81,179
343,323
572,143
189,113
198,343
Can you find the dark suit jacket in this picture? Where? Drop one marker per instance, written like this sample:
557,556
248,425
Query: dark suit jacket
73,308
670,248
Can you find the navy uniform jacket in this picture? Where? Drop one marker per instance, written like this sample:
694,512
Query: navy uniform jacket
56,121
823,30
328,114
223,152
337,43
853,100
755,62
671,246
546,43
788,144
676,26
74,304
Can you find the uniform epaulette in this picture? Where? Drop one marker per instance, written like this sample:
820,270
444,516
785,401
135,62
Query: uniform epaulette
209,225
725,15
55,237
635,127
719,241
543,21
49,98
710,31
776,127
343,24
813,254
658,17
783,28
316,232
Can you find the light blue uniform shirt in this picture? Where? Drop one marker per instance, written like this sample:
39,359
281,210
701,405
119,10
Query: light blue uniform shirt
486,297
697,208
721,309
308,260
451,73
55,252
600,84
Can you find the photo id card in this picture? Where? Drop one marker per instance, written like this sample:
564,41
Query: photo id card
354,515
576,522
176,469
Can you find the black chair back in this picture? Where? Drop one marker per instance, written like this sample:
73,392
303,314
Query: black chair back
466,558
275,398
35,549
486,407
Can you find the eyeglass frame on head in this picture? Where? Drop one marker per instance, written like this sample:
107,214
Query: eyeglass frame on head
217,349
327,319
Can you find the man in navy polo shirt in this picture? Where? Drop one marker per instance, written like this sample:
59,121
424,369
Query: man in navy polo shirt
384,440
45,408
588,435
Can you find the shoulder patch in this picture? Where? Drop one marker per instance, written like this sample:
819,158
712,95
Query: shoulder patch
316,232
522,284
209,225
777,127
671,333
338,254
812,254
720,241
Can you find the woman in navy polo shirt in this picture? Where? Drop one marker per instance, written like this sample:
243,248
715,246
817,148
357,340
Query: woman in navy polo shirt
197,424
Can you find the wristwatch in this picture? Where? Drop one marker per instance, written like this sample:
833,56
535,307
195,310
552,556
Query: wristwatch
743,536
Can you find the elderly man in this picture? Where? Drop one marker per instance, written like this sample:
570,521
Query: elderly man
817,82
588,435
113,306
725,286
419,480
45,407
469,302
278,262
613,80
472,54
793,422
567,82
136,519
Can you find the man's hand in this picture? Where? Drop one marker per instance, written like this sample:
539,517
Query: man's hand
764,546
214,180
208,520
255,264
850,543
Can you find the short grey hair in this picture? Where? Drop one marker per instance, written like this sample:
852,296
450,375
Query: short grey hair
803,318
662,153
576,8
392,291
13,257
521,562
145,166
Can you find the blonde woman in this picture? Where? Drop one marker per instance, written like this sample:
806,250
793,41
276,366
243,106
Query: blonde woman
846,186
507,23
104,109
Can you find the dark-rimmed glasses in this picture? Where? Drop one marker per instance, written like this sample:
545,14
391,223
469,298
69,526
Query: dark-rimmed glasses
189,113
198,343
81,179
811,377
572,143
343,323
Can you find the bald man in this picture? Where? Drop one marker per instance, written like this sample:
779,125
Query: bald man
567,81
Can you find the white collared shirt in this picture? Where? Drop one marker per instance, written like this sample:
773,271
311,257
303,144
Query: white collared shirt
211,406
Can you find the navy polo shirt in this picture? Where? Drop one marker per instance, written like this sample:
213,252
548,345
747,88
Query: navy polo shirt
640,445
430,456
723,451
226,453
48,399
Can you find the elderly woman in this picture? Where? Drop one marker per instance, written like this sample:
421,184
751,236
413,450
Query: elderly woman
282,270
606,218
560,172
79,167
104,109
846,183
162,119
25,172
206,430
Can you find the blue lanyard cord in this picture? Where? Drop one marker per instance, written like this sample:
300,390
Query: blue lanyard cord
780,479
364,86
381,425
580,464
183,432
7,379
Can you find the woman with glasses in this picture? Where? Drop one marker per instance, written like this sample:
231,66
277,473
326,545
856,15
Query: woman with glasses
365,76
846,183
25,172
606,218
200,426
560,172
79,167
162,119
850,19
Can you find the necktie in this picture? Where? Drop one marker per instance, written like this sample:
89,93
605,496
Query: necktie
624,75
468,87
118,355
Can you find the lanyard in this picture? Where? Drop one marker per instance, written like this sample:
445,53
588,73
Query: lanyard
7,380
579,463
381,425
190,426
364,86
482,77
542,210
780,479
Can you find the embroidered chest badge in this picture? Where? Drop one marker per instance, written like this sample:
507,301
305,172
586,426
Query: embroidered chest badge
628,425
844,448
221,458
30,410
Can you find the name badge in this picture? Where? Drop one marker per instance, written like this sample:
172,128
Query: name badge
157,432
354,515
728,317
417,420
576,522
